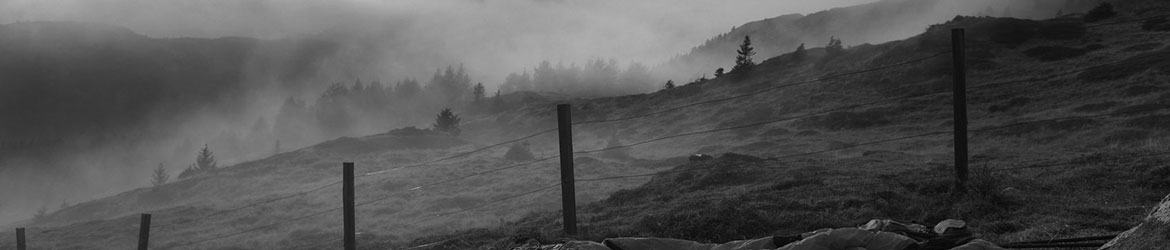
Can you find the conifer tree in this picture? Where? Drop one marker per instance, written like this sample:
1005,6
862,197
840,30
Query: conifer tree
834,47
477,93
205,161
743,59
160,176
669,84
447,122
800,52
497,102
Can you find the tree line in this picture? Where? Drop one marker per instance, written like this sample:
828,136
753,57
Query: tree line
596,77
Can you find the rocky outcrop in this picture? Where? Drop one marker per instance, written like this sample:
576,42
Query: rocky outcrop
1153,233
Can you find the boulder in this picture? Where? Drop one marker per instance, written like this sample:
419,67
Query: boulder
1152,233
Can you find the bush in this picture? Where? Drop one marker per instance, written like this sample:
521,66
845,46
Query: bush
1062,30
1101,12
1150,122
1127,136
842,120
1013,31
1128,67
1015,102
1156,24
1095,107
519,152
1054,53
447,121
1141,47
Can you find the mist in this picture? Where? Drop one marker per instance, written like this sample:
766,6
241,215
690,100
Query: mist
362,41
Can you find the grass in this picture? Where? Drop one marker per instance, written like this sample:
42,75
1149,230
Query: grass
734,196
777,199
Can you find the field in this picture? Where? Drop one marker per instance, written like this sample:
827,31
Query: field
1067,139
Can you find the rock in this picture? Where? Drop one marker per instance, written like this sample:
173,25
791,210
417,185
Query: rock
701,157
1150,234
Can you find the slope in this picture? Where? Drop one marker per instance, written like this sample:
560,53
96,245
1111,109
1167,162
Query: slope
1067,140
1125,73
877,22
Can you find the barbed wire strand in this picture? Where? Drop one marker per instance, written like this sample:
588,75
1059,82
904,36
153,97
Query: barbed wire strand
671,109
462,154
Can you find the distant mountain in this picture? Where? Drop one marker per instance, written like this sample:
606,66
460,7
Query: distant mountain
877,22
64,81
84,106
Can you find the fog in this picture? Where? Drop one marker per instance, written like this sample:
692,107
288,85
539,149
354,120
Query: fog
491,37
369,41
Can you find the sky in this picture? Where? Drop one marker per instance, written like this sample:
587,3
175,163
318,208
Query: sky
491,37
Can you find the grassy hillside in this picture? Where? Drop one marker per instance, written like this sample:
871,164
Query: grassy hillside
1095,173
1082,176
877,22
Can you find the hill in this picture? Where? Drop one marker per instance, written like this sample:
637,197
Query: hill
86,103
877,22
1039,177
1064,144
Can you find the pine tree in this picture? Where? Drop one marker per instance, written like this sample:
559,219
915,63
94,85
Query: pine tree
718,72
160,176
800,53
447,122
41,213
205,161
669,84
497,102
834,47
743,59
477,93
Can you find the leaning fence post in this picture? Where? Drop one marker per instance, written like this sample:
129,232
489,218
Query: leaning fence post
958,55
20,239
347,204
144,232
568,195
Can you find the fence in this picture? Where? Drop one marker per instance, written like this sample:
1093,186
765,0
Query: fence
568,180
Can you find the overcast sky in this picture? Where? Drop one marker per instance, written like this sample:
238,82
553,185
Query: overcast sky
482,32
272,18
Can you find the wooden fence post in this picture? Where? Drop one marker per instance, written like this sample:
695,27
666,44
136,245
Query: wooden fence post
144,232
568,194
959,55
20,239
347,204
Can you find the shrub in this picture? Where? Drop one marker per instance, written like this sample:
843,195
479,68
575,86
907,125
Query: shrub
519,152
1156,24
1127,136
1101,12
1014,102
1013,31
1142,47
1054,53
1140,90
1062,30
1150,122
850,120
1128,67
1095,107
447,121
